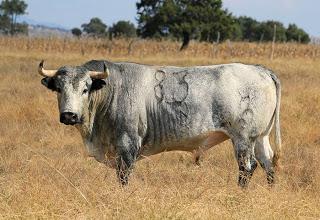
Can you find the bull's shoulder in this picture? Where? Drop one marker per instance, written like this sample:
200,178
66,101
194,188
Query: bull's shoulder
97,65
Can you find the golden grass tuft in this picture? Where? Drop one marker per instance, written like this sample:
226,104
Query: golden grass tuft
44,172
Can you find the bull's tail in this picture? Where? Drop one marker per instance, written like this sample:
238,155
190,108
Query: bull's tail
277,150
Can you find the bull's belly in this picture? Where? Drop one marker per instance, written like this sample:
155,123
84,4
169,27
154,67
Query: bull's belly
206,140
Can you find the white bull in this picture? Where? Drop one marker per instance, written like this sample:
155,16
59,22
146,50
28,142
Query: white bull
127,110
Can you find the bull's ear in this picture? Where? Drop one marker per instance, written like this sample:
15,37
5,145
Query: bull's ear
49,83
97,84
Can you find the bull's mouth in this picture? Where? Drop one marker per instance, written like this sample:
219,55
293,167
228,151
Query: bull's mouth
70,122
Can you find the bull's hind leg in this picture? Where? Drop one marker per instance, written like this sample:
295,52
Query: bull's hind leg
244,150
264,155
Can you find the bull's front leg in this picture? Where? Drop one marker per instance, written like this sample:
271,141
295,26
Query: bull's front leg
127,152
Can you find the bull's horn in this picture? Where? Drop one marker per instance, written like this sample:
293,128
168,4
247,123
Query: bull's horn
45,73
100,75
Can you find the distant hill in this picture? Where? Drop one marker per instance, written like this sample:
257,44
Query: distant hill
46,31
315,40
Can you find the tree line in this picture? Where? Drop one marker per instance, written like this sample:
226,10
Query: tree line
183,20
207,20
96,28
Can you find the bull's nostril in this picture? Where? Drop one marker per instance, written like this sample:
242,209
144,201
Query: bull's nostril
68,118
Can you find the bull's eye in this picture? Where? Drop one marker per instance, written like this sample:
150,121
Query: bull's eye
85,91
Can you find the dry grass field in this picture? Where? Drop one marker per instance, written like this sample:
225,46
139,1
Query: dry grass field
44,171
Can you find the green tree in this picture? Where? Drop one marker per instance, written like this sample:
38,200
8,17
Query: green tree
296,34
76,32
218,22
123,29
184,19
265,31
237,34
249,27
5,24
95,28
10,10
253,30
21,28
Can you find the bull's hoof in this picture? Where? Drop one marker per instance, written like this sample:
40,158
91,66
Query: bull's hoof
270,177
243,180
245,175
123,181
197,161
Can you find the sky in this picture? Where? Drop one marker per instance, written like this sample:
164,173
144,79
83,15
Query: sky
73,13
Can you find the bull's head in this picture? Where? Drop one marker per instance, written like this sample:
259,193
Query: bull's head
73,86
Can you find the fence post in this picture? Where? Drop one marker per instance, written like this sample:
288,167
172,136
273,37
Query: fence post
131,45
230,48
273,41
215,45
218,37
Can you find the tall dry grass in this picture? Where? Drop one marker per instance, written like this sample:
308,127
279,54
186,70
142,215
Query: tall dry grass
141,48
44,172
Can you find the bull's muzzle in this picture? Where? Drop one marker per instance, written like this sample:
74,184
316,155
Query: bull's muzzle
69,118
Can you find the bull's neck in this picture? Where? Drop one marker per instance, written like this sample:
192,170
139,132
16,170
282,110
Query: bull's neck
98,105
